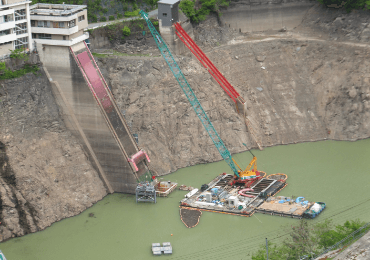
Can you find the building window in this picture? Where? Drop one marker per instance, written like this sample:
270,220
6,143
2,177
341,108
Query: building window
64,38
164,14
72,23
33,23
81,18
34,36
5,32
21,43
20,14
8,18
45,24
44,36
58,24
21,28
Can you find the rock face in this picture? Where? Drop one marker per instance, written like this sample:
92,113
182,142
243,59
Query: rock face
44,173
336,23
159,112
301,91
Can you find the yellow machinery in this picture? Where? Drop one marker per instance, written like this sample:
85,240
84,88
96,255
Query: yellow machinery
250,172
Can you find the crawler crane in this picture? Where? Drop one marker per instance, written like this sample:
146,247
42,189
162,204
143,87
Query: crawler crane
250,174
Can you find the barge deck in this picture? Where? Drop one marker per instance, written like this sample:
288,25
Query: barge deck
220,196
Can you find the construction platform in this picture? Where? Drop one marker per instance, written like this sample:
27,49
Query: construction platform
221,197
284,207
164,188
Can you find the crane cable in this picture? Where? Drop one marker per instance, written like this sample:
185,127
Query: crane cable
249,150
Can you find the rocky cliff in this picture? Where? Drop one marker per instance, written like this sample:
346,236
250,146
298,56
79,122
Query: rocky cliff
45,175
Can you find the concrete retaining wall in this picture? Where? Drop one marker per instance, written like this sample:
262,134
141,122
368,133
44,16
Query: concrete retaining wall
263,15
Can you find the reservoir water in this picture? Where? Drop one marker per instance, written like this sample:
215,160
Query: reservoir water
337,173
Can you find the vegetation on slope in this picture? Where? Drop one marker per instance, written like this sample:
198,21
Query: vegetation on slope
103,10
19,54
125,30
308,239
197,11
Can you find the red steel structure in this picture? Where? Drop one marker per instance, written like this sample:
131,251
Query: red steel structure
216,74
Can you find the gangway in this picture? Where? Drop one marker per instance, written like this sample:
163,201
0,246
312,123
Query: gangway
137,158
217,75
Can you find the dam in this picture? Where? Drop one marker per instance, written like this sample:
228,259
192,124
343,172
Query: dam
121,102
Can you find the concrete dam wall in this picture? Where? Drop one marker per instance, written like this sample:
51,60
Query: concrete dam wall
263,15
86,121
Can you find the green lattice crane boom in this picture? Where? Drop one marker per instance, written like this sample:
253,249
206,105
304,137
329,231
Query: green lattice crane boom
190,95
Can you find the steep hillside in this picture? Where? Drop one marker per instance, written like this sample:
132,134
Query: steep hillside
45,175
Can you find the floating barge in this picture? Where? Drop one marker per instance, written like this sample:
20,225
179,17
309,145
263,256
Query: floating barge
164,188
221,196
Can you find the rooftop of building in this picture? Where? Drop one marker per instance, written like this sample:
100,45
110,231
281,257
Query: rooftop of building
168,2
55,9
6,4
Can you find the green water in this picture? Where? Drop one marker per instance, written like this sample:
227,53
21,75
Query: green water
334,172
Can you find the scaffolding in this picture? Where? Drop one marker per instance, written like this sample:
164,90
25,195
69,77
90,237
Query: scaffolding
145,192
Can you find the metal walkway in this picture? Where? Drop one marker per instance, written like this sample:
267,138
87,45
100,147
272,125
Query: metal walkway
116,123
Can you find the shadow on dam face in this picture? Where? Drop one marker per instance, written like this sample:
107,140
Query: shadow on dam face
263,17
92,122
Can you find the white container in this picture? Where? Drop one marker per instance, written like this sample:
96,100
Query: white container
191,193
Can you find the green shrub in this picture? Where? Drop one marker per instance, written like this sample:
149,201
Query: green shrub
155,23
101,14
103,19
105,10
132,14
111,18
8,74
125,7
119,16
126,31
93,18
18,54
